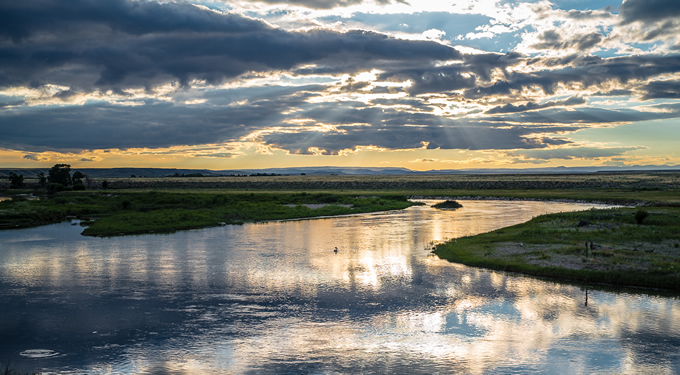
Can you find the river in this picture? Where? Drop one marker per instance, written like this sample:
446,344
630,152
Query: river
275,298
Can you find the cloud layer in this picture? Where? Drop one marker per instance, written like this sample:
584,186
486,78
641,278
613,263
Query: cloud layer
93,75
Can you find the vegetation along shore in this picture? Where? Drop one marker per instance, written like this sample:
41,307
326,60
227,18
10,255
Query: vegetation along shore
625,246
122,213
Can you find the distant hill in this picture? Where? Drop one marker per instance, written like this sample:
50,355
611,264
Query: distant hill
163,172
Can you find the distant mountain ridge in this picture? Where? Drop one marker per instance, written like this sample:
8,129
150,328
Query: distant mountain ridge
163,172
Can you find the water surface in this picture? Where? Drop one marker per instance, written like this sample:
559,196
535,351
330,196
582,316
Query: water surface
275,298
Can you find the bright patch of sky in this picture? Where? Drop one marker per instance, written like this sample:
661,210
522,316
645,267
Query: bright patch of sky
613,5
458,29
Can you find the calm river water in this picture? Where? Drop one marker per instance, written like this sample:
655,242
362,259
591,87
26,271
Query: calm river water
275,298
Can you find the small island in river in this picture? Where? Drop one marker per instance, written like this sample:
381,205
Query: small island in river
448,204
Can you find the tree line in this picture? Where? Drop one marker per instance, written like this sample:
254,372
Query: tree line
59,178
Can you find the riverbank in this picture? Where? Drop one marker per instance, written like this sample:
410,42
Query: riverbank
125,213
608,246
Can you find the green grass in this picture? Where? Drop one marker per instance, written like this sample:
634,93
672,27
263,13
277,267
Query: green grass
121,213
554,245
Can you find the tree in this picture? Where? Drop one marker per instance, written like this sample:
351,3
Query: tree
16,180
42,179
60,174
78,177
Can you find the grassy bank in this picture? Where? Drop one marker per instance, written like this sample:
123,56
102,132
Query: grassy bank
623,252
120,213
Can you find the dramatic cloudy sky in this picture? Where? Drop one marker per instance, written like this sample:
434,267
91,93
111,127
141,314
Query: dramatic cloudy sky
427,84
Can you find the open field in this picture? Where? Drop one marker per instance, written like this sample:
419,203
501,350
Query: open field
663,187
631,181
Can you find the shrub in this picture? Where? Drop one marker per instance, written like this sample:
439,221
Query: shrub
78,187
16,180
640,216
448,204
54,187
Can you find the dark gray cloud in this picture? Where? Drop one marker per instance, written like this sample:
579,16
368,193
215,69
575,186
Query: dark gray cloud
551,39
661,89
155,124
648,11
7,101
589,115
76,128
118,44
667,28
591,72
571,60
316,4
351,85
588,14
473,70
614,93
473,73
75,19
510,108
328,4
158,124
469,136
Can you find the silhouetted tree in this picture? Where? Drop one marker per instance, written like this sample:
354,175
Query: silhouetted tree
42,179
105,184
16,180
60,174
77,177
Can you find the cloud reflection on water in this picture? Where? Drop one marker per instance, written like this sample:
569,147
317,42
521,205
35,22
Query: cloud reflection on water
274,297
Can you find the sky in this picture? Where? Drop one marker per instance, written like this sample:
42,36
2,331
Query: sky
428,84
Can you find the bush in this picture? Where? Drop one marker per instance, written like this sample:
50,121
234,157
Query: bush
16,180
640,216
78,187
448,204
54,187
